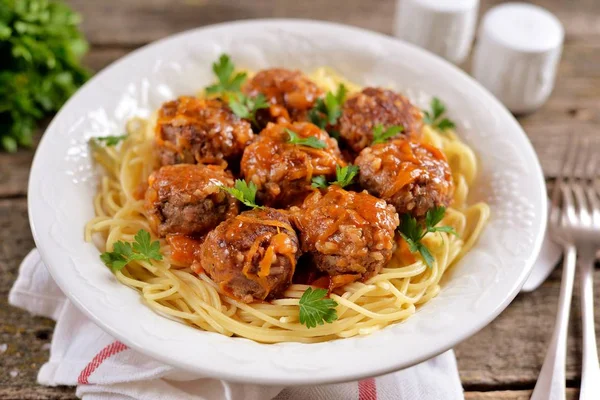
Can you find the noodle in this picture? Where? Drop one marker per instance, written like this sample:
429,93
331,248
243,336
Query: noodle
178,293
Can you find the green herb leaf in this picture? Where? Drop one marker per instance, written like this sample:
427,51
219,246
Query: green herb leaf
316,309
319,182
310,141
345,175
40,52
381,136
142,249
328,110
434,216
435,117
412,231
244,192
111,140
226,81
246,107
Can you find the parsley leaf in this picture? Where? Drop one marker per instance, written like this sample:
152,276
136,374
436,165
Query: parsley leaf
344,176
315,309
328,110
381,136
143,249
111,140
244,192
40,52
223,69
246,107
310,141
412,232
319,182
435,117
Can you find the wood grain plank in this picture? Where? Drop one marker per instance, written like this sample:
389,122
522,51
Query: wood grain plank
135,22
572,394
34,392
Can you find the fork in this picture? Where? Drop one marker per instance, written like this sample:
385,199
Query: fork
574,221
582,227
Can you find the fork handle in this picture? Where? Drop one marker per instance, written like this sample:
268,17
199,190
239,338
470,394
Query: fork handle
590,369
551,381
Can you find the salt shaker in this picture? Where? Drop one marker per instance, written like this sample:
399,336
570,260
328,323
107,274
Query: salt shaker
517,54
444,27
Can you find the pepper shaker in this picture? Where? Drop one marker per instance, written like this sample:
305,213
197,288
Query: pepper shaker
517,54
444,27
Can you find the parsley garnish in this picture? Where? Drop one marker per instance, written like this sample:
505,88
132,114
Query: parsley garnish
344,176
310,141
380,136
435,116
319,182
244,192
246,107
326,111
111,140
40,51
227,82
412,232
143,249
315,309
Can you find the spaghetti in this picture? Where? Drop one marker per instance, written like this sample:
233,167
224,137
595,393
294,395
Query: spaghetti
172,289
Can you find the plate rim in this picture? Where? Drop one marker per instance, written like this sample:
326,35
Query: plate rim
290,379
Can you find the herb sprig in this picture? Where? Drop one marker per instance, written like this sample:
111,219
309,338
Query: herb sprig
310,141
316,309
227,81
40,51
412,231
244,192
142,249
111,140
381,136
435,117
344,176
245,106
328,110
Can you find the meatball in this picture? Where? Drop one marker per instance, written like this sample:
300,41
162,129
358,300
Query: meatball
283,171
290,93
253,255
185,199
413,177
191,130
348,235
371,107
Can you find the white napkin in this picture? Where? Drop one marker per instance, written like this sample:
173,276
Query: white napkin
104,368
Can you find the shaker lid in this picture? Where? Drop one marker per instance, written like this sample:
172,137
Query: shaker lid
523,27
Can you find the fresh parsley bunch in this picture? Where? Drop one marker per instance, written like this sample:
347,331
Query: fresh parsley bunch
40,51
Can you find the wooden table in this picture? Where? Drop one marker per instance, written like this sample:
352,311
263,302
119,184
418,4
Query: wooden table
500,362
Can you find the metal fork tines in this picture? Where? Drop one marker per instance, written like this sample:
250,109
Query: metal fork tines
581,222
575,223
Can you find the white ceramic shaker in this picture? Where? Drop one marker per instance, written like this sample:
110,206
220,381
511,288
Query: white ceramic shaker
444,27
517,54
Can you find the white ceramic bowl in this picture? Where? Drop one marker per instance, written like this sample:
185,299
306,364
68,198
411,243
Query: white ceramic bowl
478,288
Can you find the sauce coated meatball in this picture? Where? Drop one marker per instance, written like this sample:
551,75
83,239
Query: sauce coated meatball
283,171
191,130
253,255
371,107
413,177
288,92
185,199
348,235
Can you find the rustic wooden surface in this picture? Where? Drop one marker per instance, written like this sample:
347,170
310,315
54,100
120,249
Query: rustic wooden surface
500,362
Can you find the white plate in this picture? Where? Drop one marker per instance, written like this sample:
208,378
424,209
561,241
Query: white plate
63,183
